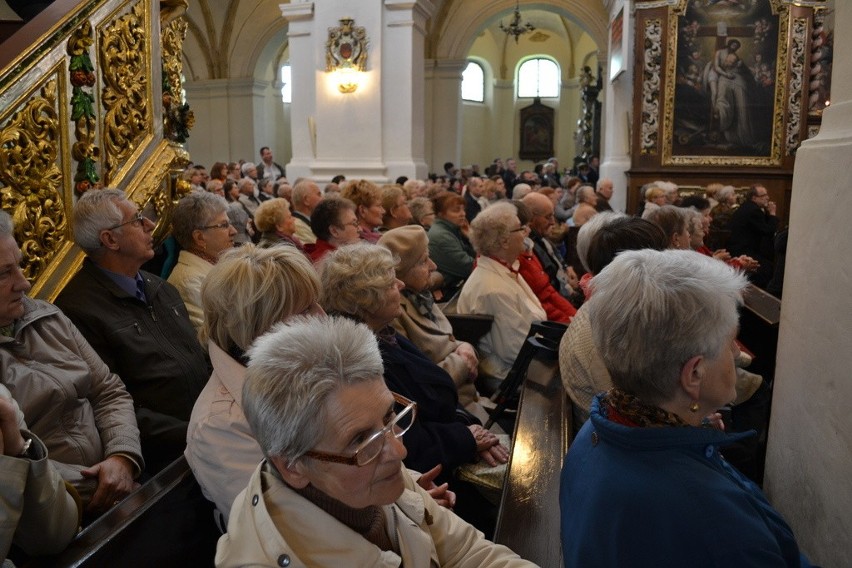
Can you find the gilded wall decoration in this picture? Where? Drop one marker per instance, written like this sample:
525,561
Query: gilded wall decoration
82,76
178,119
651,86
725,88
123,55
798,40
31,180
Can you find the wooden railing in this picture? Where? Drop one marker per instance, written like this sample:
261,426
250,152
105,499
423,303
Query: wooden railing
90,97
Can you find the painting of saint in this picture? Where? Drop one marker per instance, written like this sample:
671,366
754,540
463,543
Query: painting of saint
725,79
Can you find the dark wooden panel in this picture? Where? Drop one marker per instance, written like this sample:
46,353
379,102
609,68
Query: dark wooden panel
528,521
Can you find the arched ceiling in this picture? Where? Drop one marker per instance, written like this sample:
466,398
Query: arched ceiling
228,37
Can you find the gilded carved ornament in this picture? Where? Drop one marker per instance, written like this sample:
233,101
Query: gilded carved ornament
31,180
122,55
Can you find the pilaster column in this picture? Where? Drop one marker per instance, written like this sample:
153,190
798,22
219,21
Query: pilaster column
443,117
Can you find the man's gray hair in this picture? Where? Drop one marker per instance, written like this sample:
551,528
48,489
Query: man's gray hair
724,193
246,181
95,211
244,169
491,227
521,190
651,311
291,373
7,227
195,211
588,231
583,192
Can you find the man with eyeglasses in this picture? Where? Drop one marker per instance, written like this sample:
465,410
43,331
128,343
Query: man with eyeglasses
332,490
753,227
136,321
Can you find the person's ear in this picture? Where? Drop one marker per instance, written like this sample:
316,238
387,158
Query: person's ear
334,231
108,240
198,238
691,375
292,472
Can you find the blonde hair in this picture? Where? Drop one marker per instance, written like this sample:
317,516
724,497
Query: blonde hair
653,192
251,289
355,278
269,214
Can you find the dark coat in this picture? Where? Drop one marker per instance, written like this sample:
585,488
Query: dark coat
440,433
152,347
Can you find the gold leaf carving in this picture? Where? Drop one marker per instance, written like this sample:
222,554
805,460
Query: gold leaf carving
124,71
31,181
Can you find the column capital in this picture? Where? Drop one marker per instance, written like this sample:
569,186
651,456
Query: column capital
297,11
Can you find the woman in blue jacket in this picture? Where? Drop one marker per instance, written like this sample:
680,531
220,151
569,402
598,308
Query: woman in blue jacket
643,483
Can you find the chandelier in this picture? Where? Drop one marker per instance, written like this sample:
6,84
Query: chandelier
516,28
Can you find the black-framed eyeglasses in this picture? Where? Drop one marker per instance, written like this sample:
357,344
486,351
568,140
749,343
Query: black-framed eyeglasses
138,219
404,410
222,225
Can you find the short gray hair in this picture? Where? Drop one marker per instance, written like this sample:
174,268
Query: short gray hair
588,231
244,169
583,192
725,192
95,211
491,227
651,311
355,278
195,211
7,226
293,370
521,190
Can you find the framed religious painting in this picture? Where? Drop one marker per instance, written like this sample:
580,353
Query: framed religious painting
536,132
725,83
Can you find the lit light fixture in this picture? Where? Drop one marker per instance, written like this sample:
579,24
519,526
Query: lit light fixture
516,28
346,54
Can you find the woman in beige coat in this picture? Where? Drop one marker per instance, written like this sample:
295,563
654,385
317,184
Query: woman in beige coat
332,491
421,320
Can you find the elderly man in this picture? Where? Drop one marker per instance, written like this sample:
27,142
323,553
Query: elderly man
67,396
306,197
472,203
136,322
752,227
604,192
541,208
248,195
267,168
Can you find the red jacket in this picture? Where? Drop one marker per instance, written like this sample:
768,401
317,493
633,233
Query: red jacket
557,307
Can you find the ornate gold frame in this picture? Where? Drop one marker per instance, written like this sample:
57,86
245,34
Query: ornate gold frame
776,149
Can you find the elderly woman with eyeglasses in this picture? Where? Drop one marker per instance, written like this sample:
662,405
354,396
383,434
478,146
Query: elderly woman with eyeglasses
332,490
643,483
201,227
495,288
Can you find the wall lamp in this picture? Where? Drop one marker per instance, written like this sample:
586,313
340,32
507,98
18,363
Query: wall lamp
346,54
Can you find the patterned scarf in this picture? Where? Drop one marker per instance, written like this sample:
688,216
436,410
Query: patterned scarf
423,302
626,409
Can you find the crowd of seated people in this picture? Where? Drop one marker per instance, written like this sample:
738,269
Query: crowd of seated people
392,259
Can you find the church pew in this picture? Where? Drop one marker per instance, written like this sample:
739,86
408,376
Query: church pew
166,521
528,520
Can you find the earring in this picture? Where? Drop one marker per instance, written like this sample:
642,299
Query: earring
693,407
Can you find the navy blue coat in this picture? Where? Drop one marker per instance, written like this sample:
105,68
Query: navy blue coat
440,433
664,497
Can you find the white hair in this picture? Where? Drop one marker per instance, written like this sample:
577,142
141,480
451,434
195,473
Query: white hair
491,227
244,169
7,227
588,231
291,373
521,190
651,311
95,211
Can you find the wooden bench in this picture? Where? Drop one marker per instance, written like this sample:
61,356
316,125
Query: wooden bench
528,521
165,522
